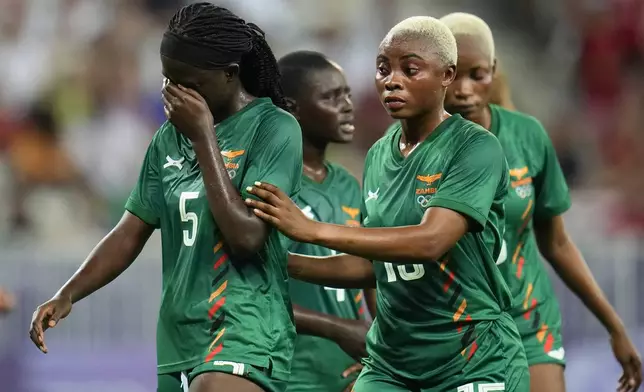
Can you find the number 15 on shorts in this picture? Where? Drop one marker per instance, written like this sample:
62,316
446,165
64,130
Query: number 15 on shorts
482,387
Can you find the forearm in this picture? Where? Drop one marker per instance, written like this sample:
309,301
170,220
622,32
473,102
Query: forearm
113,255
243,232
342,271
313,323
370,299
382,243
569,264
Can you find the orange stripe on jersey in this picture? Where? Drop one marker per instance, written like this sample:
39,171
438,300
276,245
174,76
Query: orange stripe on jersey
219,335
358,297
533,305
473,349
216,307
221,260
463,351
461,309
527,210
541,334
217,247
214,352
520,266
550,341
527,296
444,264
516,253
217,292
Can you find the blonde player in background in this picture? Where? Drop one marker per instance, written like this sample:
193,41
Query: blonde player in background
534,225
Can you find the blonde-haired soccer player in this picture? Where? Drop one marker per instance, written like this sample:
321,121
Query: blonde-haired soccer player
537,198
433,221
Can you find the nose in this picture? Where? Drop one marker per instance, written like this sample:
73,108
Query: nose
463,88
347,104
392,82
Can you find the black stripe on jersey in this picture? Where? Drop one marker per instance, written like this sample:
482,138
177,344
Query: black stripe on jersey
468,336
457,292
217,323
537,319
221,274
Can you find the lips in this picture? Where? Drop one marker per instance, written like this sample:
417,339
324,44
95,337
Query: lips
394,103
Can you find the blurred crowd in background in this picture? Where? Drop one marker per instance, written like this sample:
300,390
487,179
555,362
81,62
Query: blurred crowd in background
80,89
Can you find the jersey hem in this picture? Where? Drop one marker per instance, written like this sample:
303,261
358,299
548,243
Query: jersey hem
140,212
459,207
552,212
191,364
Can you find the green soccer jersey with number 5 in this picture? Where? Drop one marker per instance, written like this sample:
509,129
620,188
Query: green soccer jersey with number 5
215,309
430,314
318,363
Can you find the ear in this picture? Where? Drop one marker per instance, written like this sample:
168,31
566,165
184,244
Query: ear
449,75
293,108
231,71
494,68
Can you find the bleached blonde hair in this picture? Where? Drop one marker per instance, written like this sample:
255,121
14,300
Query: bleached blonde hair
464,24
438,36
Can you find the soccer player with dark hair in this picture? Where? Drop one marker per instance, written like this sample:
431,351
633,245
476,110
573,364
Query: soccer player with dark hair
320,98
432,207
537,198
225,322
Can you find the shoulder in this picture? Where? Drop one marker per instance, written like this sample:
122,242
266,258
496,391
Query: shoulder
344,176
277,125
521,125
467,135
383,145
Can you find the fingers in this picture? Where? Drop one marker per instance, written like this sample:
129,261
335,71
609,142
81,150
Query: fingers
39,324
272,189
349,387
264,211
192,93
264,194
356,367
631,379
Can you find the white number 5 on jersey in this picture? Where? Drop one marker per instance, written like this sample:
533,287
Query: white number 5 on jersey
189,236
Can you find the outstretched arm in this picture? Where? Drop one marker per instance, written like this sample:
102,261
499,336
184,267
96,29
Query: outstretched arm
342,271
561,252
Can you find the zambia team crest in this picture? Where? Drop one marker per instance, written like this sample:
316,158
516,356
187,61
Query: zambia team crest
426,189
521,182
231,161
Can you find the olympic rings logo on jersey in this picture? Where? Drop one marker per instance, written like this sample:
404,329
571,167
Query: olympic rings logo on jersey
423,200
524,191
232,173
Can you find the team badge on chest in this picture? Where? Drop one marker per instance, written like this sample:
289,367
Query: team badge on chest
426,188
521,182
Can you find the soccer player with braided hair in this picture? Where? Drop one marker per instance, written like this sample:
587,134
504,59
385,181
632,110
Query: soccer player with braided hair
225,322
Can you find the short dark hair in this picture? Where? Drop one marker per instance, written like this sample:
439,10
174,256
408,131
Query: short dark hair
295,66
222,31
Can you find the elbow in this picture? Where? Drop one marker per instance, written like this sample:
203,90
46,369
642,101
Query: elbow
245,247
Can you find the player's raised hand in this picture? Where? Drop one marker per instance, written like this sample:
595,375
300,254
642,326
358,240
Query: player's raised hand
47,316
627,355
279,210
187,111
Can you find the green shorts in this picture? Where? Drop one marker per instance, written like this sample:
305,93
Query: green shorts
540,330
498,365
178,382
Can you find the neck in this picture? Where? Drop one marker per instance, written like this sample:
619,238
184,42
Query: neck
235,105
482,118
313,155
417,129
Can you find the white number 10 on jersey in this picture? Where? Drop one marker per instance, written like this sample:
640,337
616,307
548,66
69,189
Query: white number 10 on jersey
417,272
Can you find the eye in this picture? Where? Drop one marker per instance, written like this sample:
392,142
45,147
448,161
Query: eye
411,71
382,70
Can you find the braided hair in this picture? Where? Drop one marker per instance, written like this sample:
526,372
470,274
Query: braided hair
220,31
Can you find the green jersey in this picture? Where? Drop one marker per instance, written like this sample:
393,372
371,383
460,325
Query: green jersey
318,363
430,314
214,307
537,189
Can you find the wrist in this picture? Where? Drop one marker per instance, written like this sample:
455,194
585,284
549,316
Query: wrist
204,137
65,294
616,327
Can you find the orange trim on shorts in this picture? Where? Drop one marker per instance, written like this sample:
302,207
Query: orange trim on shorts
461,309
